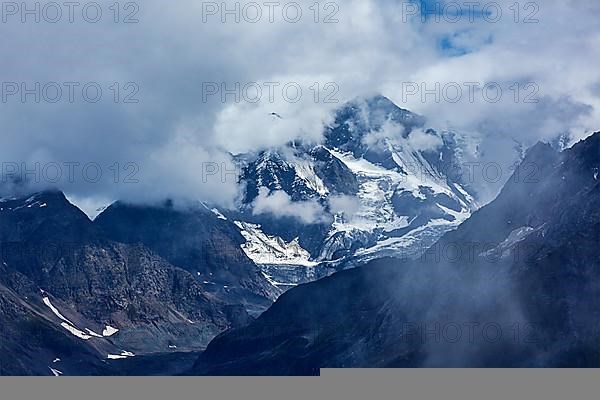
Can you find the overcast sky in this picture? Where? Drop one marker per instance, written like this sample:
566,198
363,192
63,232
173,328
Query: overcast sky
168,59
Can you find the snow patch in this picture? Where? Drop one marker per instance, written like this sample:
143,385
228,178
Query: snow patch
92,207
47,302
218,214
68,325
92,333
124,354
515,237
109,331
275,283
75,332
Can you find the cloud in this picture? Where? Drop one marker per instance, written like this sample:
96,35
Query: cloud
279,204
346,205
174,132
379,138
420,140
281,110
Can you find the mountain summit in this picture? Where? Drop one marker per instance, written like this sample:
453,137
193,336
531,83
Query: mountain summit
380,183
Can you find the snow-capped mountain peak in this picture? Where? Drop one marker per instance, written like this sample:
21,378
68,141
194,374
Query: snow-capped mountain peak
381,177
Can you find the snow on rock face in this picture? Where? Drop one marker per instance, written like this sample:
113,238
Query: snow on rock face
15,205
283,264
400,184
379,210
513,239
376,189
305,171
264,249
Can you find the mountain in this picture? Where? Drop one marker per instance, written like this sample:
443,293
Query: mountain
197,240
516,285
73,299
380,183
30,340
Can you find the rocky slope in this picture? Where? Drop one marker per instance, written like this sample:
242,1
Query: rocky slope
84,298
514,286
32,343
197,240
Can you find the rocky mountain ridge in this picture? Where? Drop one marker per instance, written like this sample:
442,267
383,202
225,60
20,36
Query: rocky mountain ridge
107,287
516,285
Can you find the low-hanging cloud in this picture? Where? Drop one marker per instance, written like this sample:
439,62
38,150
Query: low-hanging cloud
421,140
344,205
378,138
279,204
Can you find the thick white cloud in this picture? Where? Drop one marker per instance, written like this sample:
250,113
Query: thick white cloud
279,204
173,134
423,141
